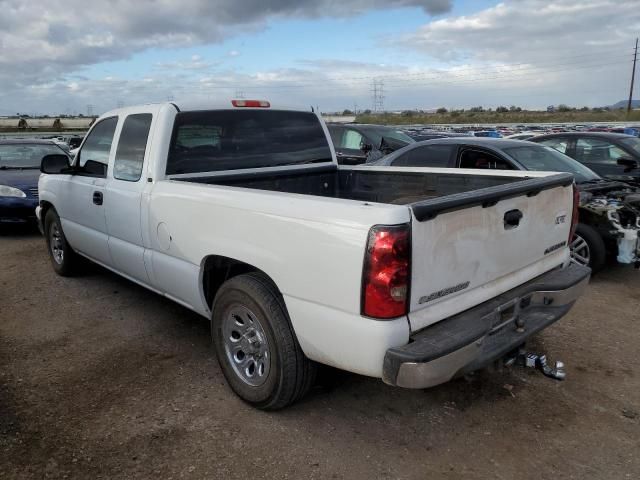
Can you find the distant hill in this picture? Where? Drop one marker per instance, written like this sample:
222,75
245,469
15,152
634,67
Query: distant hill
623,104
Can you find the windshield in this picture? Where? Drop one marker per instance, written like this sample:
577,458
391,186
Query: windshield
208,141
546,159
376,133
632,143
26,155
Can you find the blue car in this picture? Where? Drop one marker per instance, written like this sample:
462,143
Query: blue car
19,173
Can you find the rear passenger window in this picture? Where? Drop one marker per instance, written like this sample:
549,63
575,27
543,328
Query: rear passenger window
131,147
559,144
427,156
484,160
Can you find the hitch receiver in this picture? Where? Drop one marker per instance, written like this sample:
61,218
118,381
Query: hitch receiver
539,362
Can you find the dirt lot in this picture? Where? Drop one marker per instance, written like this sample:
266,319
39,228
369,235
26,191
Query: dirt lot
101,379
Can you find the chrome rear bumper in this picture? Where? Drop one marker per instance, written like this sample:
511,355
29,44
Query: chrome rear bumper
474,338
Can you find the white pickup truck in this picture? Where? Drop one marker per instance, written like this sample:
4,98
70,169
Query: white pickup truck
242,214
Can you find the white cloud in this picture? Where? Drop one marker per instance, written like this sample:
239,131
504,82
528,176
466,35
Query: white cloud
525,52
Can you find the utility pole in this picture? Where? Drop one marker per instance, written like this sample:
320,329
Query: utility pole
377,91
633,76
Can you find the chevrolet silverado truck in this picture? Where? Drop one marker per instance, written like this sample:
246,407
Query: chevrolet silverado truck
242,214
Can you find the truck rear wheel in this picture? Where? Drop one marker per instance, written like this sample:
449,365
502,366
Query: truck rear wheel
256,346
63,258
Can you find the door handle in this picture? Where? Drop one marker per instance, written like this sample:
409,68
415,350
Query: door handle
97,198
512,219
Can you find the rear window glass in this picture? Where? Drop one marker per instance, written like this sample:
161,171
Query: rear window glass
427,156
209,141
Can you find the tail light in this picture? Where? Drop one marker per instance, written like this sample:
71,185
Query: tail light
386,272
574,214
250,103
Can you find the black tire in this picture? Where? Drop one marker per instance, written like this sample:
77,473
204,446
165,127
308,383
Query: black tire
67,264
291,374
595,244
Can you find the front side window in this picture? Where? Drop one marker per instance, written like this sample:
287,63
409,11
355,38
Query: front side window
633,143
352,140
216,140
131,147
427,156
594,150
98,145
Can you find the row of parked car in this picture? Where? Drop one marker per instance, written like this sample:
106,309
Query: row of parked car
605,166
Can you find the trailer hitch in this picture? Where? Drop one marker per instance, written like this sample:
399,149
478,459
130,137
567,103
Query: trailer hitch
539,362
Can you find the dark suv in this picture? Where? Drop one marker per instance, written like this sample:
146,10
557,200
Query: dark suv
361,143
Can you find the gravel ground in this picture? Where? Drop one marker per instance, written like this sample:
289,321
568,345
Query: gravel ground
100,378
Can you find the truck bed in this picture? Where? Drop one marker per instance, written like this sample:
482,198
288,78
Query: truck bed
428,193
369,185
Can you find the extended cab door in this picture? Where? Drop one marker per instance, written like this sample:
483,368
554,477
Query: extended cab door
81,203
125,187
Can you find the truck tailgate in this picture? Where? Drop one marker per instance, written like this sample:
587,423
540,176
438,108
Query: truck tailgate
473,246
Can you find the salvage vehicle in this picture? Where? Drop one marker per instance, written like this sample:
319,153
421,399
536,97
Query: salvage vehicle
242,214
356,143
609,210
19,172
615,156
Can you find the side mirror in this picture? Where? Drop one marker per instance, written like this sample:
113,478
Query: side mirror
54,164
93,168
628,163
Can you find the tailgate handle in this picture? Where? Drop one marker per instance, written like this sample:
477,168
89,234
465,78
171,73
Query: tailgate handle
512,219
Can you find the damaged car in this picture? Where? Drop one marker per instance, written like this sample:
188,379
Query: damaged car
609,210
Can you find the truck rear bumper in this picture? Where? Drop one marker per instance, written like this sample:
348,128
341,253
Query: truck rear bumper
474,338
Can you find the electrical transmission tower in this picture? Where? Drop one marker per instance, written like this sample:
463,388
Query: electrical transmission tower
120,104
239,94
377,91
89,110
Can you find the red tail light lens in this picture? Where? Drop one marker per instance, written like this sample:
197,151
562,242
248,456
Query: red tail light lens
386,273
574,214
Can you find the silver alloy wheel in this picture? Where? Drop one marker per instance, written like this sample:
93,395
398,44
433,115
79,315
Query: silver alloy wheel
580,252
246,346
55,242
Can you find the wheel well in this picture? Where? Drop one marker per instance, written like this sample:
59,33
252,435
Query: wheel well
44,208
218,269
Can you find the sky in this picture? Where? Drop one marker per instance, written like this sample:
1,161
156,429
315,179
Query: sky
87,56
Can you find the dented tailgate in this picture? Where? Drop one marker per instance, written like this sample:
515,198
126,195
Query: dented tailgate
471,247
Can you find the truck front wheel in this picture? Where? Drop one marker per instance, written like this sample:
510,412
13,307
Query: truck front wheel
63,258
255,344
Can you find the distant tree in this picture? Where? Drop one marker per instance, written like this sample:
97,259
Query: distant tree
441,110
563,108
476,109
22,123
584,109
347,112
502,109
57,124
367,112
